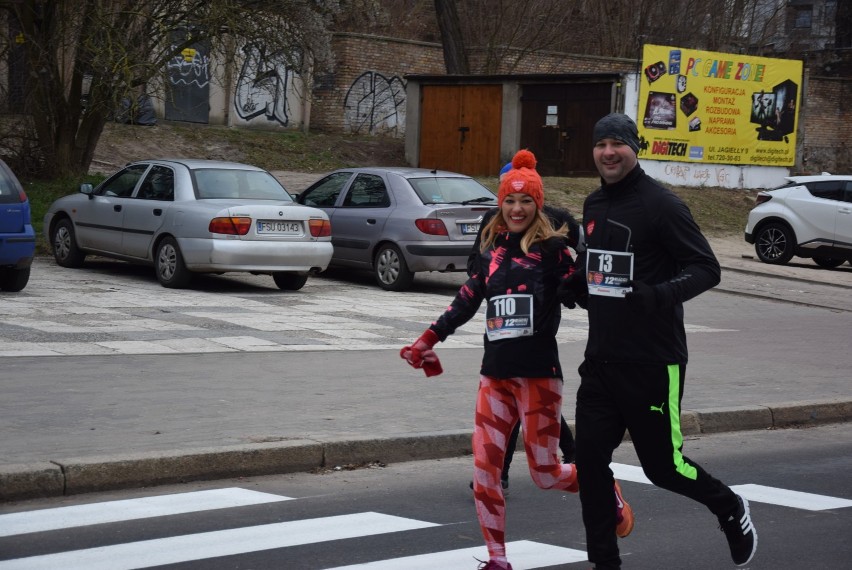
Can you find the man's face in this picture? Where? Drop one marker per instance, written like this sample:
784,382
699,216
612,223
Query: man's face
614,159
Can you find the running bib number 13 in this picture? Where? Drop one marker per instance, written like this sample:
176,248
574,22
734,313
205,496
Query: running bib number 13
608,271
509,316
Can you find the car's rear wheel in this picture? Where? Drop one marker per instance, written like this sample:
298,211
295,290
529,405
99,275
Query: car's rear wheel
65,250
775,244
289,281
829,262
392,273
171,270
14,279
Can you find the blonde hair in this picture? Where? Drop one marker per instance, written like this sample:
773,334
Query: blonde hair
539,230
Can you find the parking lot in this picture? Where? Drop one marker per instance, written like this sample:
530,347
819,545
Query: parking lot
110,307
115,308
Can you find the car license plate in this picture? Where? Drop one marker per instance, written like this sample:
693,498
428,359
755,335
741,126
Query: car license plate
469,229
279,228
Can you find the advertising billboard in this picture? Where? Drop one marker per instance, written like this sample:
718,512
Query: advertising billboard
711,107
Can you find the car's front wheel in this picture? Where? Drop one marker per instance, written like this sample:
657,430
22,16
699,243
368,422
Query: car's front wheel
829,262
65,250
392,273
171,270
14,279
775,244
289,281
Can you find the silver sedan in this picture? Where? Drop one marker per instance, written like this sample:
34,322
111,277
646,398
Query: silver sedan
400,221
192,216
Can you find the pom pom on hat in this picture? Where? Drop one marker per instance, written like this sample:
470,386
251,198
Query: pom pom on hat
523,159
523,179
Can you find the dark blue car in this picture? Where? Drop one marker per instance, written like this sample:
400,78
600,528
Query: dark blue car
17,238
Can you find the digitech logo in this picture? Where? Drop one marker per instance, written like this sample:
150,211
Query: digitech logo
669,148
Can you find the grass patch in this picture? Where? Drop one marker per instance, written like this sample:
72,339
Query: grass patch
719,212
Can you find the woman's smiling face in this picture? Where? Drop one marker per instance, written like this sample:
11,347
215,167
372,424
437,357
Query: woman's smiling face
518,211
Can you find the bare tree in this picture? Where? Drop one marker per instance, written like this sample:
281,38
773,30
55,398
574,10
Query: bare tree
504,32
83,57
455,56
507,32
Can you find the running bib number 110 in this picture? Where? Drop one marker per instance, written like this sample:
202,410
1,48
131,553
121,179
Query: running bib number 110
509,316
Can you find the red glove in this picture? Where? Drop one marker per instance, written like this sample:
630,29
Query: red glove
420,353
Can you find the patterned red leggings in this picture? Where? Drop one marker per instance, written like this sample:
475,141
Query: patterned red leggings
538,403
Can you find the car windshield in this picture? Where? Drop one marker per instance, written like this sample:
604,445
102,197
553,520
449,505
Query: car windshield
451,190
237,184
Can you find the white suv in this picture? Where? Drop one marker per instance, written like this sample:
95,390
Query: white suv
810,216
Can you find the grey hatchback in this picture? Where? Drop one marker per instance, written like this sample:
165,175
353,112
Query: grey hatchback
400,221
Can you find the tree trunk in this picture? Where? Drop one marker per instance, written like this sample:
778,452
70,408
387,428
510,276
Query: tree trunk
455,56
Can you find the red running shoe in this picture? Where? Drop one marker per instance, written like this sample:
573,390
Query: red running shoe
623,514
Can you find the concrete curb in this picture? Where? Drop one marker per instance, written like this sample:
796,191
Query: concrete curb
83,475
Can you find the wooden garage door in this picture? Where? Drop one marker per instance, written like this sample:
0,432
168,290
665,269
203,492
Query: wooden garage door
460,128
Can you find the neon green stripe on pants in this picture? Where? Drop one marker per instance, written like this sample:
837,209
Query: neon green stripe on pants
681,466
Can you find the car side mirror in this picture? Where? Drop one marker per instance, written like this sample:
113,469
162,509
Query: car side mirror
86,189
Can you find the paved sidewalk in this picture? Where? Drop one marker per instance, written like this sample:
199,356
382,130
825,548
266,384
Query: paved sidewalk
155,416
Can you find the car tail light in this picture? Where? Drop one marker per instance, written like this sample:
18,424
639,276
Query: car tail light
320,228
431,226
22,196
761,198
232,225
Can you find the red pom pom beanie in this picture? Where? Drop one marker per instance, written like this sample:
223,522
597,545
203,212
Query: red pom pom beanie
522,178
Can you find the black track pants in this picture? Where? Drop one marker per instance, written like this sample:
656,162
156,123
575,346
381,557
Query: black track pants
645,400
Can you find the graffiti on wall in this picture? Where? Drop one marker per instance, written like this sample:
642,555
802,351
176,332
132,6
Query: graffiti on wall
262,85
375,104
716,176
189,70
188,87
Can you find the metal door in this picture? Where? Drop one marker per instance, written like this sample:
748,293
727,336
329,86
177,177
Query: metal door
358,222
99,223
557,123
188,84
146,212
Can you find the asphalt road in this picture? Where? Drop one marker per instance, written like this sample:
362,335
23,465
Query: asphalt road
420,515
111,380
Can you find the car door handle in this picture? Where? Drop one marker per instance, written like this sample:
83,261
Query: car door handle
117,207
158,212
371,221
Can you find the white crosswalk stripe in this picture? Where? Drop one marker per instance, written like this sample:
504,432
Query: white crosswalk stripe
132,509
756,493
788,498
524,554
172,550
243,540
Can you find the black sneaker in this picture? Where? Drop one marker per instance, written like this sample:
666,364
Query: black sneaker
740,532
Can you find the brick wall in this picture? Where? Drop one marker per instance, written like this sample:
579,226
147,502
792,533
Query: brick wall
360,95
825,131
553,62
366,93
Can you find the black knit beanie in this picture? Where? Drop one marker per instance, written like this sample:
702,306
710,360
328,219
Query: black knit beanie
618,126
